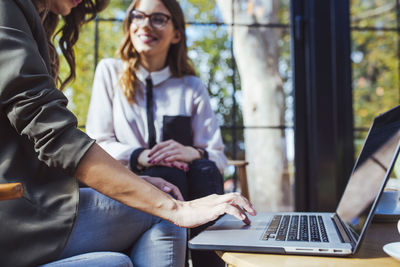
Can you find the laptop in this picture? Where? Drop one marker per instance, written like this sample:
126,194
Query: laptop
320,233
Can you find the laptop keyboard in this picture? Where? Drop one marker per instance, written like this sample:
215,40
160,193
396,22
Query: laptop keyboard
309,228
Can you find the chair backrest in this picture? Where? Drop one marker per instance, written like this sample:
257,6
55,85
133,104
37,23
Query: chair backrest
11,191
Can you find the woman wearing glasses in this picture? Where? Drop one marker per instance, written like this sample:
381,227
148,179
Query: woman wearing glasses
41,147
151,112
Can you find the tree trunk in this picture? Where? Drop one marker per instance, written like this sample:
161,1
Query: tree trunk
256,52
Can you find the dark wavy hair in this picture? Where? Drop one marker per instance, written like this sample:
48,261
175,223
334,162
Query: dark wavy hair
177,58
69,33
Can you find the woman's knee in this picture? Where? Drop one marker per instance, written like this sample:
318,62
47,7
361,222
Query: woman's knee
166,230
204,179
162,245
204,164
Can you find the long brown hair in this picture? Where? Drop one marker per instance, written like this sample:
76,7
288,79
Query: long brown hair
69,33
177,58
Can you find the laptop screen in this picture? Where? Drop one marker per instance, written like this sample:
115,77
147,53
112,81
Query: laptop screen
373,165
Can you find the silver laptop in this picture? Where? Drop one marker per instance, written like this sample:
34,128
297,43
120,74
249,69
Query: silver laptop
339,233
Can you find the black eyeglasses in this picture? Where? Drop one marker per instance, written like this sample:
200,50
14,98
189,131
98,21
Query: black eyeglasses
157,20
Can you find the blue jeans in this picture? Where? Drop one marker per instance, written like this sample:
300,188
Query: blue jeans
105,226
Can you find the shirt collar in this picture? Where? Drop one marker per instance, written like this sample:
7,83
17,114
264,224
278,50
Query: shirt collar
156,76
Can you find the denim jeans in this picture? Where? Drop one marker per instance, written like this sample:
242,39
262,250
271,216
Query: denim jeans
110,259
104,225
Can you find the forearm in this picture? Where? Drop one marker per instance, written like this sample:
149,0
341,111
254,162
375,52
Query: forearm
100,171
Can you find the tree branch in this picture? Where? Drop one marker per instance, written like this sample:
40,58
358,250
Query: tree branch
374,12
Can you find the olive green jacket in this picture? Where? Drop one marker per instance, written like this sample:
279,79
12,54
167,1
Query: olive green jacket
40,145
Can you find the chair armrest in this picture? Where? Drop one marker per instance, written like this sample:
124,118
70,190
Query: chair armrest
240,166
238,163
11,191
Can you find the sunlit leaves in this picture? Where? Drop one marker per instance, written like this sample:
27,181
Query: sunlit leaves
375,60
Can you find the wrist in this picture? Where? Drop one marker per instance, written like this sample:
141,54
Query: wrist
143,159
134,159
175,212
202,152
191,154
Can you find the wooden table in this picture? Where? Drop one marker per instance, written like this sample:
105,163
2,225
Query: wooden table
369,254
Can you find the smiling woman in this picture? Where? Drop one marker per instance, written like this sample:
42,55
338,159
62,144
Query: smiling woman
152,42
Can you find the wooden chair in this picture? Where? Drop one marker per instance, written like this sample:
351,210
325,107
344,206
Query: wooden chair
11,191
240,166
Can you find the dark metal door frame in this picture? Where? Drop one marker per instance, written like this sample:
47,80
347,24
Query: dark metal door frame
323,102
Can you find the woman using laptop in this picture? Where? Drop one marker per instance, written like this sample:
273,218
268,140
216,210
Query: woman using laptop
41,147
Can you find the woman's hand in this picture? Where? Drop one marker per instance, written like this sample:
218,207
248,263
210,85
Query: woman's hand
144,161
164,186
199,211
170,151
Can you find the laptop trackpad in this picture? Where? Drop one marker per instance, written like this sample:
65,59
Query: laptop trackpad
229,222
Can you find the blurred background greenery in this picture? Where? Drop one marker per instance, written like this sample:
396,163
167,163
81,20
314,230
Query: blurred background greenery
375,63
210,49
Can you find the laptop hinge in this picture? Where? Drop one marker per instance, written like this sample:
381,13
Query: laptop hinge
344,235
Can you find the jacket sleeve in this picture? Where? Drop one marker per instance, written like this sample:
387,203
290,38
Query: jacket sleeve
207,134
30,100
100,120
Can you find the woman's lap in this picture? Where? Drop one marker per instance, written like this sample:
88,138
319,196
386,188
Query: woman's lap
104,224
204,179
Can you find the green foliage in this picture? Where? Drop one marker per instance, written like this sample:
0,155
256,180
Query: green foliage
110,34
79,90
200,11
210,51
375,66
375,62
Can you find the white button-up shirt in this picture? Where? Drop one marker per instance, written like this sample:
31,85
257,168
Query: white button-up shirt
120,127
